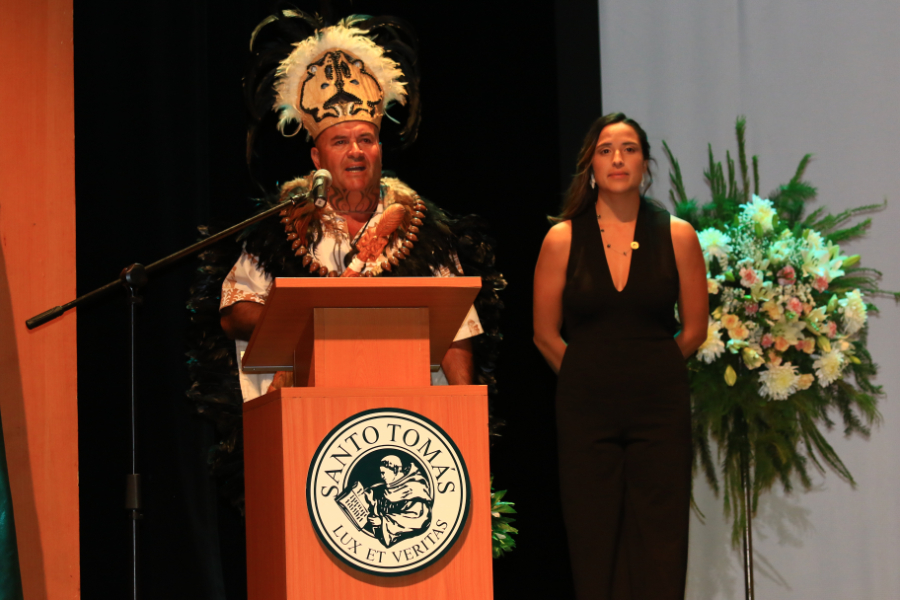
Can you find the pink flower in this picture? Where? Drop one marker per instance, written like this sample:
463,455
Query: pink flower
787,276
830,328
751,308
821,284
748,276
795,306
767,340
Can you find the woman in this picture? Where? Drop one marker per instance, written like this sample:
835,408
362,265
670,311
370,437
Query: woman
612,270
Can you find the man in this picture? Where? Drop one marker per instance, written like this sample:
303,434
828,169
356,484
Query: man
400,507
369,224
336,83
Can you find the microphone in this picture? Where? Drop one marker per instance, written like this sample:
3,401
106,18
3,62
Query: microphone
321,183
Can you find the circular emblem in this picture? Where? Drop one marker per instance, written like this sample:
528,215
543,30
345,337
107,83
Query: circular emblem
388,491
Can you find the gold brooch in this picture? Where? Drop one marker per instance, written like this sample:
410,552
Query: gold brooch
635,245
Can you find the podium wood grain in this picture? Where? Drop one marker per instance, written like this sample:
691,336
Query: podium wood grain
285,558
371,347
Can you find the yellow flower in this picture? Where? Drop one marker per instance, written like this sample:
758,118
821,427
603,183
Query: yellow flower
752,358
759,210
729,322
778,383
730,376
761,290
713,347
805,381
854,309
739,333
816,315
773,309
808,345
828,367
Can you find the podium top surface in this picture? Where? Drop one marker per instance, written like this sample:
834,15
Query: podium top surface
287,316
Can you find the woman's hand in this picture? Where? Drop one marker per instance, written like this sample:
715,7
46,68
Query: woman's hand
693,297
549,281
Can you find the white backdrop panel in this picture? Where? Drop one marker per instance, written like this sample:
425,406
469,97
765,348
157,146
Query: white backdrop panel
820,77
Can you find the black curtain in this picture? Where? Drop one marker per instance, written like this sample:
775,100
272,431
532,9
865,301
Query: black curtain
160,133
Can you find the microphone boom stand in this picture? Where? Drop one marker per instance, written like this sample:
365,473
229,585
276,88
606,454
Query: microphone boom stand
134,277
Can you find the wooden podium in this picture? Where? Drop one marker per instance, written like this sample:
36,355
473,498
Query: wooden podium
362,345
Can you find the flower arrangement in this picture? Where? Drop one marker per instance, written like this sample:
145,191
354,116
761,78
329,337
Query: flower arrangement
771,302
786,344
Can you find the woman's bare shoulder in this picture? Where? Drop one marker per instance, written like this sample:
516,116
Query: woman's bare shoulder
682,231
555,249
559,235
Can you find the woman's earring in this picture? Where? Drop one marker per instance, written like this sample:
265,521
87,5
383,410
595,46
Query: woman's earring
593,182
642,181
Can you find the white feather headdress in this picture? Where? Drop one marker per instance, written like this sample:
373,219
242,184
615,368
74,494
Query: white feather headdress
293,72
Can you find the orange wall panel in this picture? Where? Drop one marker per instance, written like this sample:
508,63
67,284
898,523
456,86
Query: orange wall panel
38,394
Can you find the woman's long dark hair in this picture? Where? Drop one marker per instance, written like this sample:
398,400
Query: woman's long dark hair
580,196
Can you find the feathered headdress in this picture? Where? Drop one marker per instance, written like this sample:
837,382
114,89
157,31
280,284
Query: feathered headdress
319,74
334,76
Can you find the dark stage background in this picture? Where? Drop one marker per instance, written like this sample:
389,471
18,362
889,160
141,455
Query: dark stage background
508,90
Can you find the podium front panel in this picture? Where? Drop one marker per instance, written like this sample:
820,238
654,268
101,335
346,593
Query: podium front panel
285,556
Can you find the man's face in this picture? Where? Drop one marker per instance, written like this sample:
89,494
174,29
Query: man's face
351,153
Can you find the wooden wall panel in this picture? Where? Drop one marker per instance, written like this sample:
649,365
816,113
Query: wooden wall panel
37,238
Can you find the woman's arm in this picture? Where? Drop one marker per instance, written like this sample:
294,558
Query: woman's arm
693,297
549,281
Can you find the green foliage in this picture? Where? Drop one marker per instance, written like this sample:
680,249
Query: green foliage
501,530
781,441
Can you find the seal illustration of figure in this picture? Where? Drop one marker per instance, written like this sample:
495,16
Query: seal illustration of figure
400,507
396,508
